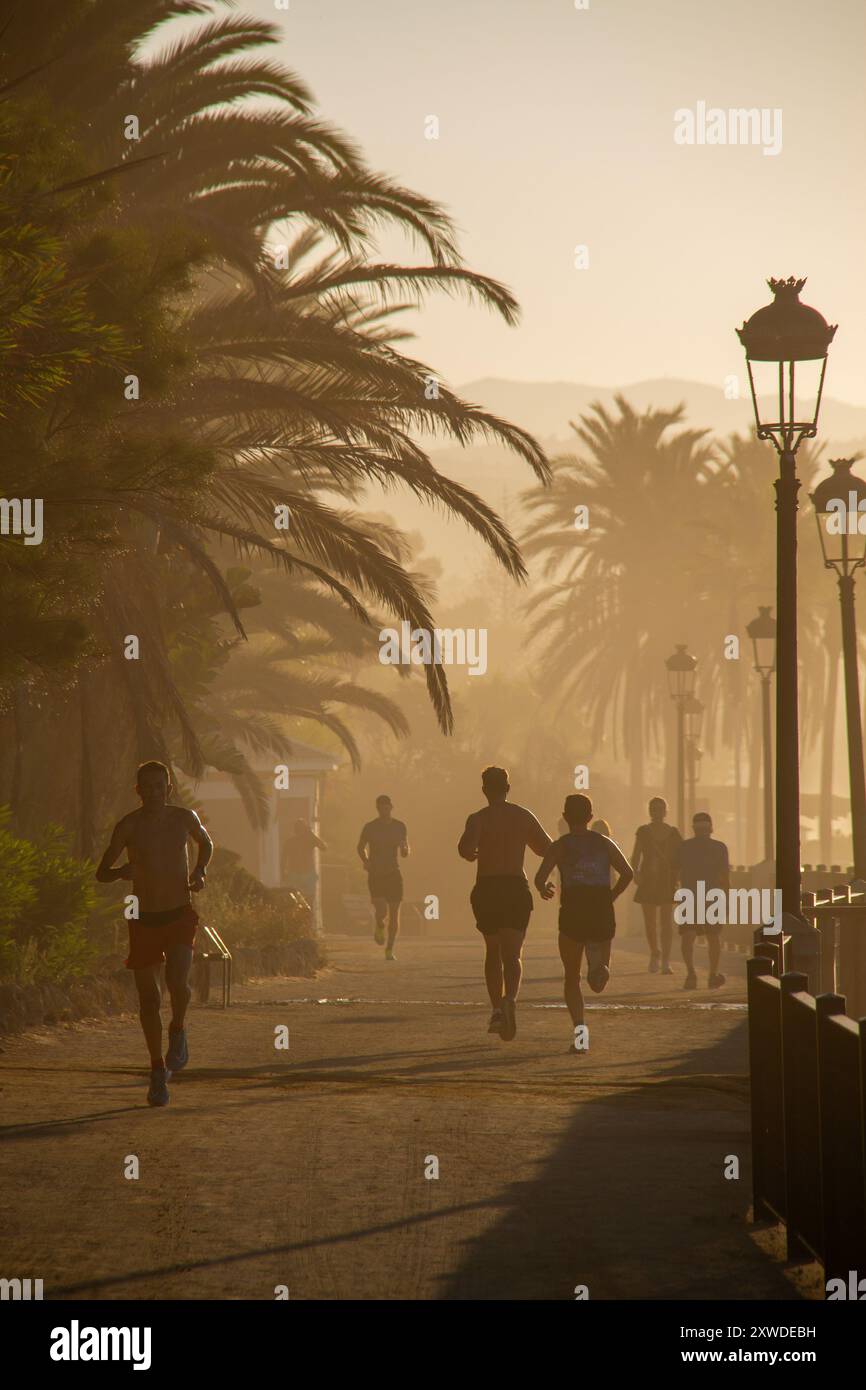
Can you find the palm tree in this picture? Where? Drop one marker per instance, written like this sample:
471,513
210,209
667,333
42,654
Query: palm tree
615,604
263,387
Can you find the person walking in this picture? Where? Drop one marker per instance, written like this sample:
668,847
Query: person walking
654,860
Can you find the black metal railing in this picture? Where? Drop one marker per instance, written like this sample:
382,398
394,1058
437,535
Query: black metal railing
217,951
808,1096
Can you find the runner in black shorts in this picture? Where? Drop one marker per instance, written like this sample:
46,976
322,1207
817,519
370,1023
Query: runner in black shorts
496,839
377,847
586,921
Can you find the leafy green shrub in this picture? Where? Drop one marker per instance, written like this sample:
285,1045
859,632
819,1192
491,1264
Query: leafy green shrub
244,911
47,901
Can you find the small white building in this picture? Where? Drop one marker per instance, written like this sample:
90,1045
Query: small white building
262,851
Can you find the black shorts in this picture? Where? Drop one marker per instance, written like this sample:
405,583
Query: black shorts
586,913
501,900
387,884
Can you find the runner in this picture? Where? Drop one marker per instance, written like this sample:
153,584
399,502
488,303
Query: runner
703,859
155,840
495,839
586,919
654,859
380,840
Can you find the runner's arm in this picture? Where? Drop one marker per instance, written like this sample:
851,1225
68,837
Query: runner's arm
467,847
619,862
636,855
198,833
536,836
116,845
362,848
726,869
404,844
545,868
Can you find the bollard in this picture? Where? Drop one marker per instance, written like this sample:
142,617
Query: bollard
805,948
766,1095
843,1174
804,1216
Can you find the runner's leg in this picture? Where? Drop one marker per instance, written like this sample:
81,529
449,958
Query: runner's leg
510,946
714,949
666,922
687,941
178,962
149,999
393,924
649,921
571,955
380,908
493,969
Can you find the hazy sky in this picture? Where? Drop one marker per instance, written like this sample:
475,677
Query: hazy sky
557,130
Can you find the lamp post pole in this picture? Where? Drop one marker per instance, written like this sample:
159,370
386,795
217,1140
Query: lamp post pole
855,727
681,765
769,846
763,633
787,486
681,676
839,503
782,340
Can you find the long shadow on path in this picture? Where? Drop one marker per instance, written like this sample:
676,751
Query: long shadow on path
633,1202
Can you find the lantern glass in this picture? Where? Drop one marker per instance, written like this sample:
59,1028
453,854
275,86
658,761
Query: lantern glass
762,631
681,673
787,397
694,712
840,512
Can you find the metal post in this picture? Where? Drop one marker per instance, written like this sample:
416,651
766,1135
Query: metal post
769,846
855,729
681,768
787,697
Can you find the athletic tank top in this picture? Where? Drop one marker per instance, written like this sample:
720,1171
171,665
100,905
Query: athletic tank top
583,861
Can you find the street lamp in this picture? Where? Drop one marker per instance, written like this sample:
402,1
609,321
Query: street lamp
681,681
840,511
762,631
693,710
786,346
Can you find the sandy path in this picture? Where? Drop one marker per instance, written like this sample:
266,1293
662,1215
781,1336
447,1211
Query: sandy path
306,1168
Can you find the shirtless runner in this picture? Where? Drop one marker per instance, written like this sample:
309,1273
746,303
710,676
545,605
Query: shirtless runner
155,839
495,839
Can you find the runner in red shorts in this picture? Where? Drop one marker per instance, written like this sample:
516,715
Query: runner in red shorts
155,839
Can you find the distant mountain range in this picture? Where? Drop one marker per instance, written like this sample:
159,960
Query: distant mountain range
545,407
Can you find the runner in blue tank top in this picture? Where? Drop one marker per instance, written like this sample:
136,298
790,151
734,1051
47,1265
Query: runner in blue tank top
586,921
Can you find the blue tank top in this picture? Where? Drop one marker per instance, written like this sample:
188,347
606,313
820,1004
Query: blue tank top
583,861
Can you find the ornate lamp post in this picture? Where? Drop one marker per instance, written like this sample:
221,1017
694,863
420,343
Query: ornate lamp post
694,718
786,346
840,511
681,681
762,631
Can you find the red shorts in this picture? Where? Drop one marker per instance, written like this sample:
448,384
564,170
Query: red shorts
154,933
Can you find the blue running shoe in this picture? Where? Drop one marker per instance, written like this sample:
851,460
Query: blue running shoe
158,1091
177,1055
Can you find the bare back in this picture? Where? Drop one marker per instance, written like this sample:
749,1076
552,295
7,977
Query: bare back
499,835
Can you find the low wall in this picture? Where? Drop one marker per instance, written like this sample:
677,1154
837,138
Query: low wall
113,990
